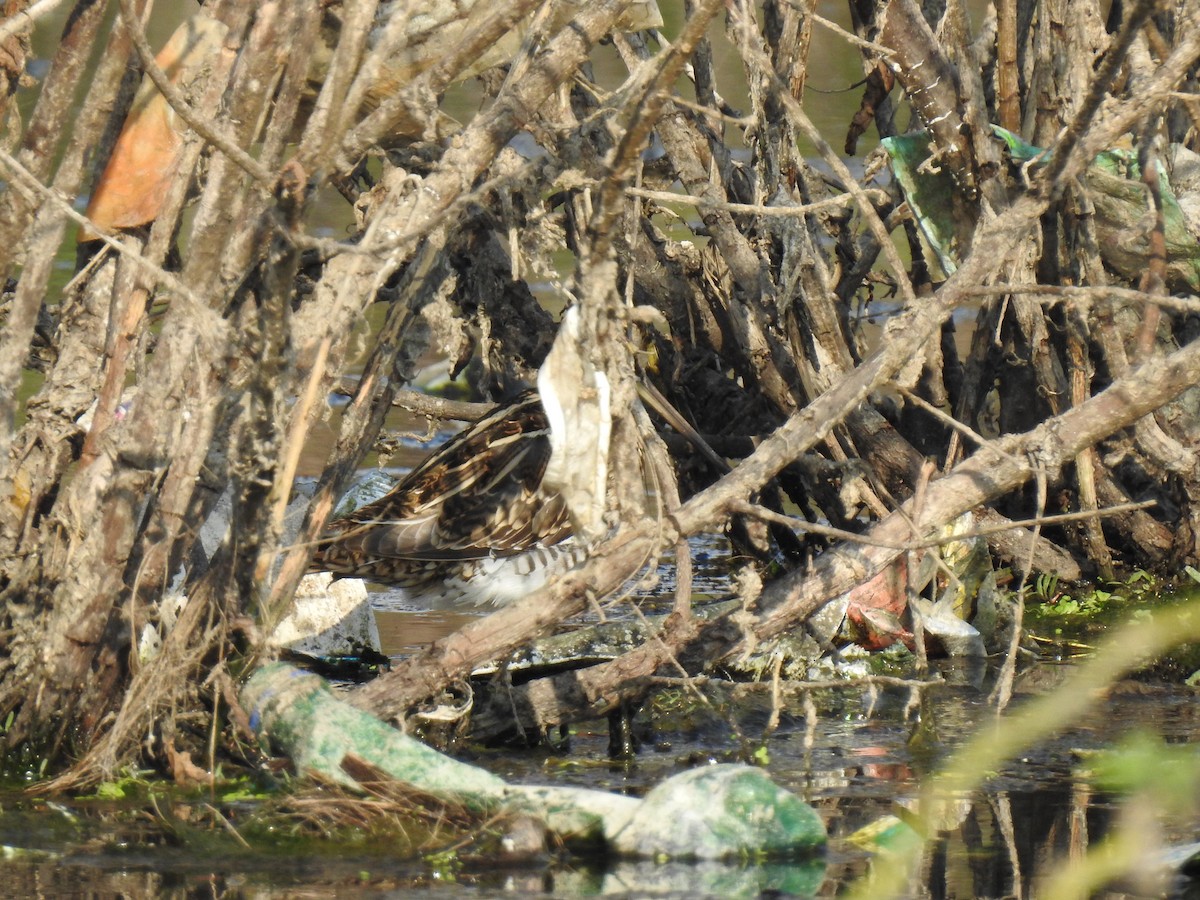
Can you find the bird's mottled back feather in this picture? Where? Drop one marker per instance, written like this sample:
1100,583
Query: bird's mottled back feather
480,496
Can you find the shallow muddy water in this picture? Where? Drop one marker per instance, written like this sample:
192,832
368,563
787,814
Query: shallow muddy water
861,759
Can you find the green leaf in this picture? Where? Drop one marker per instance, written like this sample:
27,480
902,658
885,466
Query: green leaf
110,790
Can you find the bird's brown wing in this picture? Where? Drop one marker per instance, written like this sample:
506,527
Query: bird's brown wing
479,495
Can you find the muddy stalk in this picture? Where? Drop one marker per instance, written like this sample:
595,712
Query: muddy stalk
203,345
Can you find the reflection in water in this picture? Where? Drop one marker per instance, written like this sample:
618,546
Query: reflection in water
1036,813
404,633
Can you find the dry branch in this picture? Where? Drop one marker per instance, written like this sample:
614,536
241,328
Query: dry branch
119,504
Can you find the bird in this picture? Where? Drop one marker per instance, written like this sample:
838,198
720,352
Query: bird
473,524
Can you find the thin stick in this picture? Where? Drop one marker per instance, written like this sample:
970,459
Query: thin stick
295,437
949,421
25,18
175,98
1103,293
30,182
769,515
798,211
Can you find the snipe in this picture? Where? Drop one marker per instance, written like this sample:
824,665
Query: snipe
472,523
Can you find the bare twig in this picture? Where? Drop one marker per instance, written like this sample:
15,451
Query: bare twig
26,18
1104,294
849,36
206,129
803,525
798,211
159,274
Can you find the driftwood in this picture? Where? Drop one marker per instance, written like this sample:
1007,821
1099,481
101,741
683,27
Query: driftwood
187,360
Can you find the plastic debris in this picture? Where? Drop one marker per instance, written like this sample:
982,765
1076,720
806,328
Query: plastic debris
1114,187
720,812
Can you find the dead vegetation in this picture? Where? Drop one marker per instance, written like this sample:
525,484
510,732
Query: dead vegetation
1042,367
